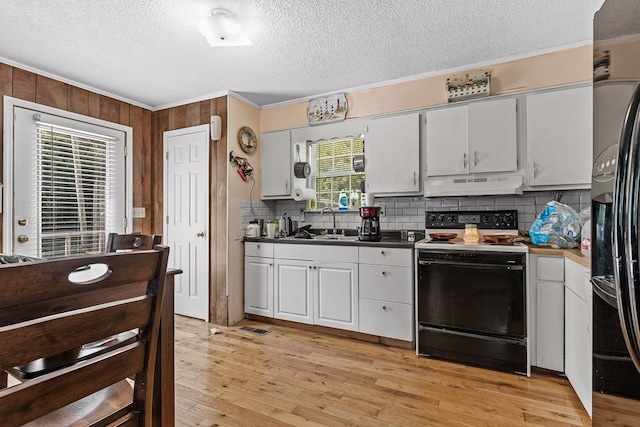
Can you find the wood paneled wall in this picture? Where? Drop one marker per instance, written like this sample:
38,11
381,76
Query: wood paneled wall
33,87
183,116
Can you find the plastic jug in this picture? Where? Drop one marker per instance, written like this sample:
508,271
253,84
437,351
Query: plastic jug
585,246
343,201
253,229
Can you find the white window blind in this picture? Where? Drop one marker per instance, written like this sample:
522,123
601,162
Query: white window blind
75,189
334,169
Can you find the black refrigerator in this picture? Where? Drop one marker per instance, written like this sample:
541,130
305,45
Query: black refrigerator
615,191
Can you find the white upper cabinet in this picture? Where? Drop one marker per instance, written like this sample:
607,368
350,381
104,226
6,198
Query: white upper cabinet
493,136
559,137
392,155
275,165
448,141
473,138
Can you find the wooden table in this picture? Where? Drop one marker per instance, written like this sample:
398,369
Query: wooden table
164,409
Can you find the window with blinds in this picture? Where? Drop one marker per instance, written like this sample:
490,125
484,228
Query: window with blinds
334,169
75,189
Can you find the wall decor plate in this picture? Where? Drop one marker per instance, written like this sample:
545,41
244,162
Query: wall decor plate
247,139
326,109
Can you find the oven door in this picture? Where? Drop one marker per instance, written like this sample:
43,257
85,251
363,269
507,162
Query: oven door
474,292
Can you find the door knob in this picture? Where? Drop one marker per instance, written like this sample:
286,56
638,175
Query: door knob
23,222
200,234
23,238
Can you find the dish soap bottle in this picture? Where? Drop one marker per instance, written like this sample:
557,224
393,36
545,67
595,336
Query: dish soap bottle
343,201
355,199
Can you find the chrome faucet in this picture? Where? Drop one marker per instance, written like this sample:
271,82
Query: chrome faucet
326,208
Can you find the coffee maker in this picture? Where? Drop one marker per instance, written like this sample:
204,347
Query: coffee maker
370,228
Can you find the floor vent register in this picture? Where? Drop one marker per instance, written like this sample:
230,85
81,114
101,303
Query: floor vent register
256,331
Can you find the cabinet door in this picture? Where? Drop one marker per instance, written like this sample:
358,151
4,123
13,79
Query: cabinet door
550,325
559,137
392,155
258,286
493,138
578,345
336,295
293,297
447,141
275,165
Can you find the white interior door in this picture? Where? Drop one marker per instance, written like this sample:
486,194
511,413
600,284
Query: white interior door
186,212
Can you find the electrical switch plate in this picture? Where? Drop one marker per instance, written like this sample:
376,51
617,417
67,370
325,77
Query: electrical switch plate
139,212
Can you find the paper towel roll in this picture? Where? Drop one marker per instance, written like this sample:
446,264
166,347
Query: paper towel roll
303,194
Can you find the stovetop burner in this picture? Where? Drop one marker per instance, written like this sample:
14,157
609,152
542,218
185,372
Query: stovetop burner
499,224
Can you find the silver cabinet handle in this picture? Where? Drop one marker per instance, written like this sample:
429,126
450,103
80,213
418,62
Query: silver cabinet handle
415,179
475,158
534,170
464,160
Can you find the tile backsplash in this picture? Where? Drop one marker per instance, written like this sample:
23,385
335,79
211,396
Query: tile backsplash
408,212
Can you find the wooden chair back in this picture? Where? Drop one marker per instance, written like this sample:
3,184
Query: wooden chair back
133,241
52,307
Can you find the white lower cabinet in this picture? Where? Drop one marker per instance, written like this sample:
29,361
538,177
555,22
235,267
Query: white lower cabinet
293,291
386,292
258,279
317,285
336,295
546,287
578,322
355,288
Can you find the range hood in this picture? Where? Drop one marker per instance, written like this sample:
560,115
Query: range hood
473,185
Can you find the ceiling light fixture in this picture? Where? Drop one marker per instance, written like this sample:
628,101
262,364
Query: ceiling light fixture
223,28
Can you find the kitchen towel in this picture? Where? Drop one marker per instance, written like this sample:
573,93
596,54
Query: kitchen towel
304,194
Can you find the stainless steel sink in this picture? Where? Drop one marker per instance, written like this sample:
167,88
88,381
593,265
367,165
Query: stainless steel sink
335,237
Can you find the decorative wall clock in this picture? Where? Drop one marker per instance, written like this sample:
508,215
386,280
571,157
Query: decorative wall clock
247,140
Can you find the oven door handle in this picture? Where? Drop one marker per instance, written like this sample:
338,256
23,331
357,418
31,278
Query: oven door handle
512,267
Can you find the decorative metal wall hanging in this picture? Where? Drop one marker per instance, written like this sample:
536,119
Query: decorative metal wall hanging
473,84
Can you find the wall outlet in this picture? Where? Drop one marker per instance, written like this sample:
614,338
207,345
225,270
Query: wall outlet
139,212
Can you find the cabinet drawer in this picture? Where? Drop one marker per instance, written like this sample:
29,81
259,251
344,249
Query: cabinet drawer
577,279
386,283
258,249
335,253
385,256
550,268
386,319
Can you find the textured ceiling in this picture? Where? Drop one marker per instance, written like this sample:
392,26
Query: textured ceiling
151,53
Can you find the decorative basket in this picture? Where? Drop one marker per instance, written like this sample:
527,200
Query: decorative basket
474,84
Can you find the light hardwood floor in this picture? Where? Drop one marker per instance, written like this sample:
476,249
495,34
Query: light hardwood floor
292,377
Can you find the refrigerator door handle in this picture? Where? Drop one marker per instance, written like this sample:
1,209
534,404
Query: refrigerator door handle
626,188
